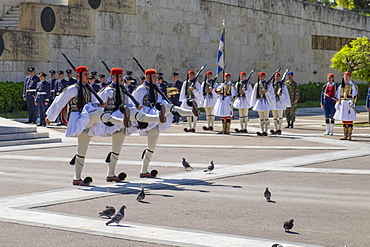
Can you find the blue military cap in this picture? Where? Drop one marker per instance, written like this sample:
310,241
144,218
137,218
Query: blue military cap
52,72
60,72
290,73
69,71
30,69
160,77
160,74
91,77
142,77
42,74
94,73
175,73
129,72
102,76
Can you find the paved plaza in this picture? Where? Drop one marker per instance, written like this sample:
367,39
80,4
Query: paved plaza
317,180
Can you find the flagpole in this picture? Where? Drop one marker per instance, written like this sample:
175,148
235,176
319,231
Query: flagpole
223,31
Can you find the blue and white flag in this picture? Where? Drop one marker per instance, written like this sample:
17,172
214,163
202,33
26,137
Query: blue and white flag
221,52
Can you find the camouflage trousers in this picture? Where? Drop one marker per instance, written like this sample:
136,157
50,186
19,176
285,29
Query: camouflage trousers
290,112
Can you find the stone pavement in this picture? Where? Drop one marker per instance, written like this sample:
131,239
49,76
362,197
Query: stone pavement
320,182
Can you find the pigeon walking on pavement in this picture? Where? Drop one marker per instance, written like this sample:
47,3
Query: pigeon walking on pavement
186,164
118,216
288,225
141,195
210,168
267,195
109,211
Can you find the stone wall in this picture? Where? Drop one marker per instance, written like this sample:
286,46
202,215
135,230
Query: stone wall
173,35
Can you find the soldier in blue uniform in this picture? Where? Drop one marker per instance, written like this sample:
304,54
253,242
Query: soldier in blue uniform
162,85
52,81
102,80
42,97
94,74
175,98
60,85
133,80
95,85
29,91
130,87
71,80
142,79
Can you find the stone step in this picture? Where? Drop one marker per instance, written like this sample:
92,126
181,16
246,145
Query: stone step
57,2
6,22
10,18
16,130
29,141
23,136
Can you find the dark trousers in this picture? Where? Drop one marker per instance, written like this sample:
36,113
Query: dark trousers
32,109
42,110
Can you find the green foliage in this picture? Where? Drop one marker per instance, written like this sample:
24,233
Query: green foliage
11,97
359,6
354,58
310,91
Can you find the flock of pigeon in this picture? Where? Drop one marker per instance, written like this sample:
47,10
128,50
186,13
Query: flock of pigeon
110,212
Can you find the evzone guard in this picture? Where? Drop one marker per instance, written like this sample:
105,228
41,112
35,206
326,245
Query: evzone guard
242,100
83,115
152,101
191,96
263,101
209,99
122,107
345,106
282,101
224,105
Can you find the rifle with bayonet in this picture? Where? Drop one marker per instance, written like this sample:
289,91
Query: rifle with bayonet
281,83
121,86
88,86
245,82
272,77
196,76
164,96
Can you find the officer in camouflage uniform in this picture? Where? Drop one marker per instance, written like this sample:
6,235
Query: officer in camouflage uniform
293,90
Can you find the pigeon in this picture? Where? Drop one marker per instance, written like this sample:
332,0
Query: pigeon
267,195
186,165
210,167
141,195
288,225
109,211
118,216
277,245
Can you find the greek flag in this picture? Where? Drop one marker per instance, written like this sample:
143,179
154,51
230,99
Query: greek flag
221,53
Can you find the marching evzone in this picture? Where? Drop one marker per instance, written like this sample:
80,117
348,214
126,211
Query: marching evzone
191,96
122,107
147,95
327,102
345,106
282,101
263,101
224,105
83,115
209,99
242,101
